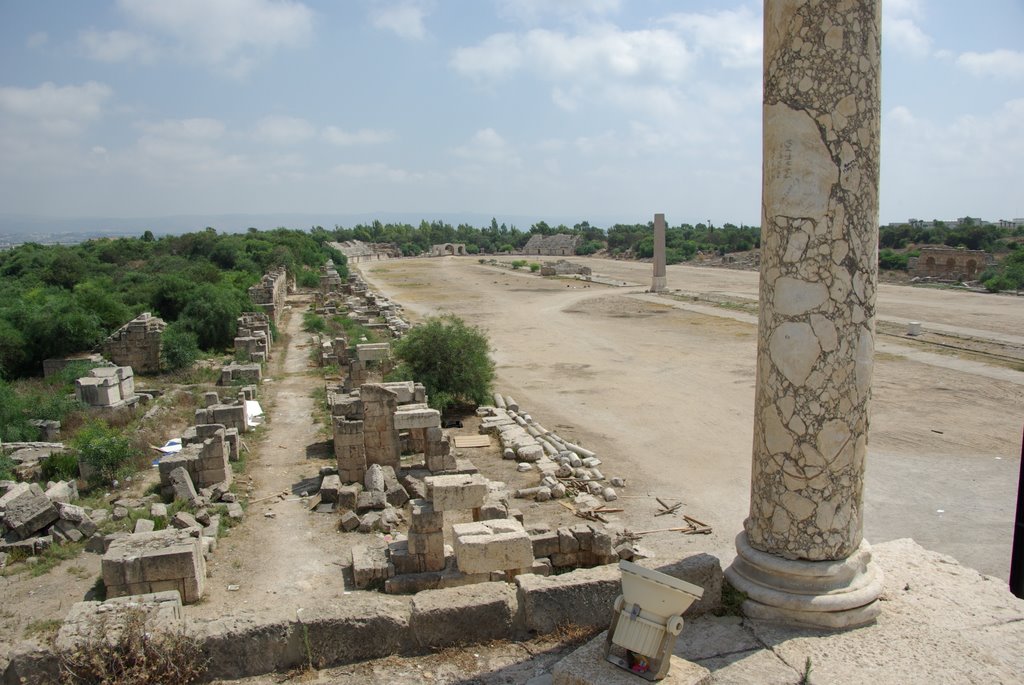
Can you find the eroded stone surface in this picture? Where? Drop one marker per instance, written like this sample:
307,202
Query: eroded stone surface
818,277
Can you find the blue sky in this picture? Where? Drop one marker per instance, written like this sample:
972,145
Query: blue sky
603,110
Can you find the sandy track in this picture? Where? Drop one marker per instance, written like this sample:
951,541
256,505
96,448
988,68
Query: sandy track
663,389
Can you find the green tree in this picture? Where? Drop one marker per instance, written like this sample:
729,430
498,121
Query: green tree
450,358
212,314
179,347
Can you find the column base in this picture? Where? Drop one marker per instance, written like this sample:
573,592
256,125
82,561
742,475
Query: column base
820,594
659,284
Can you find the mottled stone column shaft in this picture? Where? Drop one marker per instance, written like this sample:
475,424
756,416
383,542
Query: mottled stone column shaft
658,281
819,237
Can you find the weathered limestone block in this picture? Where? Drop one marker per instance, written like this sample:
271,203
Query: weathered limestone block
88,623
370,565
584,597
497,545
27,511
329,488
155,562
407,419
425,519
62,491
181,483
373,351
451,493
361,627
475,613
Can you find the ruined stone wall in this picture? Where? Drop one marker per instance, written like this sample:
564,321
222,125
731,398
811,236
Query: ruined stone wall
949,263
269,294
448,249
559,245
137,344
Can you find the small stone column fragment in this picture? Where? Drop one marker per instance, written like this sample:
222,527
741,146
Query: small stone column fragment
658,283
801,557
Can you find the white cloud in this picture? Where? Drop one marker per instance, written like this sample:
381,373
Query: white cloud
364,136
534,11
117,46
198,128
231,35
488,147
901,30
973,158
734,35
37,39
1000,63
279,130
60,110
375,170
404,19
601,52
497,55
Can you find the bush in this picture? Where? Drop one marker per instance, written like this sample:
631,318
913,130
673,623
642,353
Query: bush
534,267
518,263
179,348
998,283
60,466
106,453
212,315
450,358
313,323
308,278
892,261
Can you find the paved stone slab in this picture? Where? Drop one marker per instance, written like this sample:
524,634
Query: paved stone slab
587,666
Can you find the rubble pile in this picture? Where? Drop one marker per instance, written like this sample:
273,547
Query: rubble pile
565,468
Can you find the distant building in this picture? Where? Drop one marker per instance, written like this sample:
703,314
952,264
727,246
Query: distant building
558,245
949,263
1011,223
448,249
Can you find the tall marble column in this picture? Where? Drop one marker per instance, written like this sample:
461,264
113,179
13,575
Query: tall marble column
801,557
658,283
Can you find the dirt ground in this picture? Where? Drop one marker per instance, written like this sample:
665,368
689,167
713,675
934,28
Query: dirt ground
662,388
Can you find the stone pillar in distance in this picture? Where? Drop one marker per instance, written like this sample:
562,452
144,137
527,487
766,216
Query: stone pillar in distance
801,557
658,282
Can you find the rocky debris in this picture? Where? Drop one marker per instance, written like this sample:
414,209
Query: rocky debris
27,510
62,491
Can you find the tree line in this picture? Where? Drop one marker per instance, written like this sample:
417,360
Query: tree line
57,300
682,242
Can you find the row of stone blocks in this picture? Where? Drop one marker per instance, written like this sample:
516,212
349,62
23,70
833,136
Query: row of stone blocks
206,460
364,626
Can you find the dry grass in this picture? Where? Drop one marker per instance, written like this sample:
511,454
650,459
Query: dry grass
126,654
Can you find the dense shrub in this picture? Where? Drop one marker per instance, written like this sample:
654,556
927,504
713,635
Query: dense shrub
534,267
179,347
107,454
892,261
450,358
60,466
